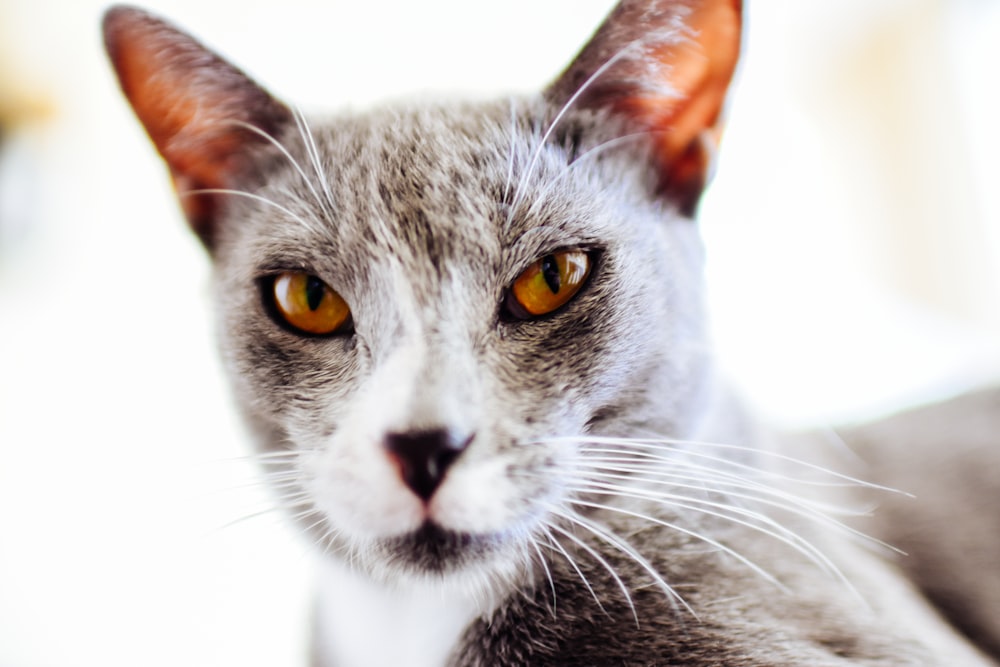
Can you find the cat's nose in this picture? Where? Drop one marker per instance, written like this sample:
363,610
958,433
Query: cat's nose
423,457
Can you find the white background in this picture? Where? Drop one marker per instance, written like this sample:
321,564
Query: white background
853,236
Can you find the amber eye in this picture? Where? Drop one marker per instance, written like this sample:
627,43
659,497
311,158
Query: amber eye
307,304
549,283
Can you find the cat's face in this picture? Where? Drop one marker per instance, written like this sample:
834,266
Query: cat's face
416,233
433,431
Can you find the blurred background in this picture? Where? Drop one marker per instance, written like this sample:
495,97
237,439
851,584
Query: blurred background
853,233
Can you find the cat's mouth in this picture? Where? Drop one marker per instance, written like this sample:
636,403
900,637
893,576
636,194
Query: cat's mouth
435,549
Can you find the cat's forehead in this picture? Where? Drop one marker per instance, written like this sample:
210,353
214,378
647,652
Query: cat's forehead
420,174
430,183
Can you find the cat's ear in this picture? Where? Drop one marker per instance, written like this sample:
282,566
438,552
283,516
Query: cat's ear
662,66
197,108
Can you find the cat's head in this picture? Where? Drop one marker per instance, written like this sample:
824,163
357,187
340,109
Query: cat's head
423,308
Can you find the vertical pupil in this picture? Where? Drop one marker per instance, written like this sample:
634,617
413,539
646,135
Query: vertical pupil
315,290
550,273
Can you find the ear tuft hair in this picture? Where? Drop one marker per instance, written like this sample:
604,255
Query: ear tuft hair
664,66
195,106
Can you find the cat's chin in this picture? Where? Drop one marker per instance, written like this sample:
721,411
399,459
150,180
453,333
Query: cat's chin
434,550
480,565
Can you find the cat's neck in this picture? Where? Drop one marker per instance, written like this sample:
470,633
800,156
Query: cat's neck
362,623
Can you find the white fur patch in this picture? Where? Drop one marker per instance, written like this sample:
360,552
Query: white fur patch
477,498
361,623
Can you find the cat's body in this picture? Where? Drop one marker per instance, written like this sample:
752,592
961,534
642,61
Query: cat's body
469,341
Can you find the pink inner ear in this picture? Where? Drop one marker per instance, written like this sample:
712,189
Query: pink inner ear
689,124
676,88
193,104
178,91
699,70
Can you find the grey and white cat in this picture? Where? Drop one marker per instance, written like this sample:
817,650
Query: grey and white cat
469,341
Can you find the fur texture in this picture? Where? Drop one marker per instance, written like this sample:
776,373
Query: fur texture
608,503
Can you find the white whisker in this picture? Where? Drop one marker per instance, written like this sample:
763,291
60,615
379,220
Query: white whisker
254,197
767,576
726,485
284,151
779,532
259,456
600,559
545,567
511,149
608,537
686,448
542,198
314,157
519,193
247,517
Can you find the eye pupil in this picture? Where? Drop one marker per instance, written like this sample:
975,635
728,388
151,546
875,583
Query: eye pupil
306,304
547,284
315,291
551,274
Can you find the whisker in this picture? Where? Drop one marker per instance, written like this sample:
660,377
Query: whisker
542,197
780,532
254,197
247,517
511,150
545,567
713,475
290,484
313,151
600,559
784,458
519,193
320,521
328,541
715,470
260,483
683,448
284,151
728,485
286,472
258,456
627,549
767,576
275,456
646,462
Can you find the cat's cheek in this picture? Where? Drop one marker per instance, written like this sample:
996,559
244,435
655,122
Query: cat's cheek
479,498
362,497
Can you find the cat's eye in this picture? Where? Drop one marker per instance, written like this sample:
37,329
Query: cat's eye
548,284
308,305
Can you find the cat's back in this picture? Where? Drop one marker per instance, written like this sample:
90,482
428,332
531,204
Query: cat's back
947,456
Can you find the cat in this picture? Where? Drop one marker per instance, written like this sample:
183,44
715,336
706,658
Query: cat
469,342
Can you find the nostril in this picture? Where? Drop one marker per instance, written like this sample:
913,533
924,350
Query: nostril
424,457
